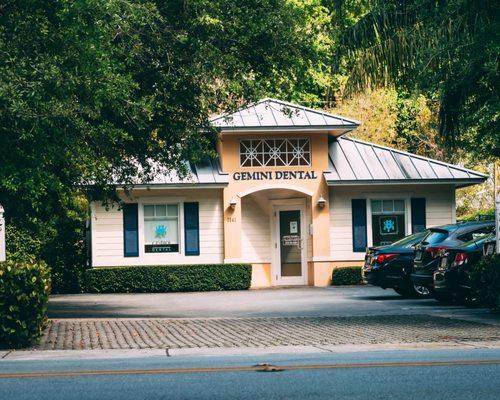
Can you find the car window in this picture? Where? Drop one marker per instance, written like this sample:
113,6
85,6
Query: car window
476,234
409,241
435,237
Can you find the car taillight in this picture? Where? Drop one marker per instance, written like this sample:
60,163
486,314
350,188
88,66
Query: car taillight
435,251
382,258
460,259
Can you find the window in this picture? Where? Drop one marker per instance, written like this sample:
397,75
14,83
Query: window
388,221
275,152
161,228
436,236
476,234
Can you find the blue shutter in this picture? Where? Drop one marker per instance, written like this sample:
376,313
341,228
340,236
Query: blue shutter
359,237
191,229
418,222
130,230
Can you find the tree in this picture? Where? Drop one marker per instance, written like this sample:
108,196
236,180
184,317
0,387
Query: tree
446,48
96,91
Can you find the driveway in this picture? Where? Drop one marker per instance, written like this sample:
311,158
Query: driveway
285,302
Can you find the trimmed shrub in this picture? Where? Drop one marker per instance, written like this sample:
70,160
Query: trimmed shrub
485,281
24,294
346,276
169,278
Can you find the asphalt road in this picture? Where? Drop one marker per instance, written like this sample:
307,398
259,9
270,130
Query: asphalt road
418,374
290,302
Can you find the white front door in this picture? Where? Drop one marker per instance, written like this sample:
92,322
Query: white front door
289,261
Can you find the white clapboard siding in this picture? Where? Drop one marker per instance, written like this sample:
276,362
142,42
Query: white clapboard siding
107,231
440,209
255,233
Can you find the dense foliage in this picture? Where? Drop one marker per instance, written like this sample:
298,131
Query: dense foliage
95,91
346,276
485,281
24,294
171,278
448,50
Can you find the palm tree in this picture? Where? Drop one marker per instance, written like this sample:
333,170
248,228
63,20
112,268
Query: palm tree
446,49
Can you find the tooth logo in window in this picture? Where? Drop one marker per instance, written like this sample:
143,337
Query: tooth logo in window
160,231
388,225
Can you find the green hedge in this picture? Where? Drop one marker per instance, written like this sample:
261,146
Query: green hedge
346,276
169,278
24,294
485,281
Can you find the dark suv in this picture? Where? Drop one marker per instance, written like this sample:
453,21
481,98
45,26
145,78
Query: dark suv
452,279
427,252
390,266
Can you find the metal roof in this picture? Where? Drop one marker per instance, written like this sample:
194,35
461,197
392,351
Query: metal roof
206,172
355,162
275,115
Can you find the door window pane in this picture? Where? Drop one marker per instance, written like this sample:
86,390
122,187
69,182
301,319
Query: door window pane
290,243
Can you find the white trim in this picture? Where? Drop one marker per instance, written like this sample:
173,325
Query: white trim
405,196
276,278
159,257
93,244
454,206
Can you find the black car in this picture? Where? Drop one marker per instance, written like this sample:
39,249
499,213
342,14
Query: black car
427,252
452,278
390,266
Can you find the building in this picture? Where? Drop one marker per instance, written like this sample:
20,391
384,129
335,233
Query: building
290,193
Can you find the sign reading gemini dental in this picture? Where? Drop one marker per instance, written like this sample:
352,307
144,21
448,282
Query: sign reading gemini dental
273,175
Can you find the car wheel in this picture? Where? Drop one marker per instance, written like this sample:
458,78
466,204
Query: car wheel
412,291
420,291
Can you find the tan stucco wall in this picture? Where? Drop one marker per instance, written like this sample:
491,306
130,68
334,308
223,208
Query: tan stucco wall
261,276
313,188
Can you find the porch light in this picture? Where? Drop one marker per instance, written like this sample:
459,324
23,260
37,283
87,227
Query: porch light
233,202
321,202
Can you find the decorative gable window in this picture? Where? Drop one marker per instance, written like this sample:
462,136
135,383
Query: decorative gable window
275,152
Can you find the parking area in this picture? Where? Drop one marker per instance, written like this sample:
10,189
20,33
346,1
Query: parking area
284,302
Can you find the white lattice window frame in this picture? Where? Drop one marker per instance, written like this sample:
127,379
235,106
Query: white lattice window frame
282,152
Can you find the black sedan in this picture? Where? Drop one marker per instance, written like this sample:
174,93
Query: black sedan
428,251
390,266
452,278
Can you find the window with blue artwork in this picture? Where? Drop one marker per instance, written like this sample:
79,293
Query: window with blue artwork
388,221
161,228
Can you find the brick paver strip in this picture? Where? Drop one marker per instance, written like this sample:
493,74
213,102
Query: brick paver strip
259,332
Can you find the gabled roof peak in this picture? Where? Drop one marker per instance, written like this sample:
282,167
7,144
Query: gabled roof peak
277,115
